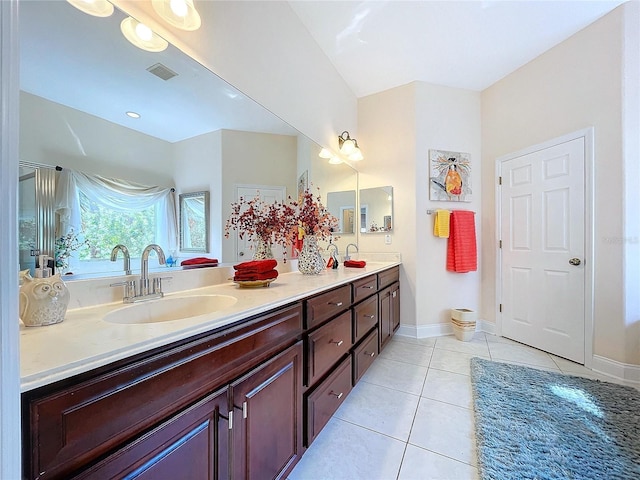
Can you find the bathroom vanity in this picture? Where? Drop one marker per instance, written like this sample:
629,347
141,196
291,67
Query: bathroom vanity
240,393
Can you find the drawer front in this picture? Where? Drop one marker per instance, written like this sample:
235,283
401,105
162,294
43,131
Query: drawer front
388,277
327,305
364,287
364,355
365,317
327,345
68,427
325,400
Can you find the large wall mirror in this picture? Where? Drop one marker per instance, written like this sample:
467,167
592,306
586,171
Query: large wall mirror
79,76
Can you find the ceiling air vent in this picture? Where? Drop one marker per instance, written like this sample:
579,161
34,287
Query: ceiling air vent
161,71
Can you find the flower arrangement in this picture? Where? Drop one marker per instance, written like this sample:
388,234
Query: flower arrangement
65,246
312,217
269,222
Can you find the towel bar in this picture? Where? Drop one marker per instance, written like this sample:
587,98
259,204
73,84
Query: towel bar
431,212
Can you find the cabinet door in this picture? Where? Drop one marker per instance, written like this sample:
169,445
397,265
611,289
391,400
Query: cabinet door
395,306
267,418
192,444
386,316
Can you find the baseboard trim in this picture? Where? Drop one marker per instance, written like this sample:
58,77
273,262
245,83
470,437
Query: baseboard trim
623,371
425,331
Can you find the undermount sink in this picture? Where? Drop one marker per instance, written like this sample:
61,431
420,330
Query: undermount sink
170,308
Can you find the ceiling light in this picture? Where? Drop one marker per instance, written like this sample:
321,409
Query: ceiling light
97,8
133,114
142,36
324,153
181,14
349,147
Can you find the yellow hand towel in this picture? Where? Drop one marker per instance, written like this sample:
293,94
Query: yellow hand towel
441,224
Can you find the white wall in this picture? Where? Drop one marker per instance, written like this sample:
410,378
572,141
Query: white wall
263,50
572,86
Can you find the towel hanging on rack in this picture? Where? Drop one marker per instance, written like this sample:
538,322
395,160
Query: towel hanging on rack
462,255
441,224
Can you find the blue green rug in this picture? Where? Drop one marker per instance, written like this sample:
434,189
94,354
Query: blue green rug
532,424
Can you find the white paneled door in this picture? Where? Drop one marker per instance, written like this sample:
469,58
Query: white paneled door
268,194
543,249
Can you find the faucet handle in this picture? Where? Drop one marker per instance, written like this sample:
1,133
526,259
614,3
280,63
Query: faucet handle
157,284
129,288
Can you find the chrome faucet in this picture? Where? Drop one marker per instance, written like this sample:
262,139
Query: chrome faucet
346,253
144,270
337,252
125,254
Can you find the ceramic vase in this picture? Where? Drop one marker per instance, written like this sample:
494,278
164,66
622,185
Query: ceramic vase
310,261
43,301
263,250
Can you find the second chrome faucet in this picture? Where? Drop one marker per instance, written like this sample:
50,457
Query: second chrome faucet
144,290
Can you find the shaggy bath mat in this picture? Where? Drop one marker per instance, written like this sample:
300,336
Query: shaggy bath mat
532,424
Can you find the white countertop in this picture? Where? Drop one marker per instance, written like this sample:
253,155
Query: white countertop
84,341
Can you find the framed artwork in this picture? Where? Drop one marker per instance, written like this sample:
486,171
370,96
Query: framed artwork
450,176
303,183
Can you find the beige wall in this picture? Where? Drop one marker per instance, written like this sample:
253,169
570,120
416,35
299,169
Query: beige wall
575,85
397,129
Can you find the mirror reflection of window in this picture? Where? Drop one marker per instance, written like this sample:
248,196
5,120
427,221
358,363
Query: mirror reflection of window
376,209
27,223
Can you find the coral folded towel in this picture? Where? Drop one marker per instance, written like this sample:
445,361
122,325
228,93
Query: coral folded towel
199,261
256,266
355,263
462,254
441,224
241,276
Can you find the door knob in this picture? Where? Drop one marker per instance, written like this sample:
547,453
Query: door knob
575,261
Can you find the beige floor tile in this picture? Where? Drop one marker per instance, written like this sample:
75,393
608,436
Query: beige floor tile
421,464
427,342
455,362
396,375
520,354
407,353
449,387
445,429
476,346
380,409
346,451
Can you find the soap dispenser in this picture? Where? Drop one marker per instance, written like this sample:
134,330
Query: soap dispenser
44,298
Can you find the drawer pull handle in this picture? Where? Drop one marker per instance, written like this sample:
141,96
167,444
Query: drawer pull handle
337,304
338,343
337,395
370,354
369,316
370,287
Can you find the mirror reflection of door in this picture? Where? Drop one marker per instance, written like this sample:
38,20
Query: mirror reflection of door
347,217
244,248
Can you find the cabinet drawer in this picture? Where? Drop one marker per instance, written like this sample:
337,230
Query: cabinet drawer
326,399
365,317
388,277
364,287
364,355
327,345
68,427
327,305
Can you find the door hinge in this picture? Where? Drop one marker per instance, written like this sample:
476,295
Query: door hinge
499,243
500,180
230,419
244,410
500,308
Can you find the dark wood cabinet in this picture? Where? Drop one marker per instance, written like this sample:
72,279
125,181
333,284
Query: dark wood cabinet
364,355
364,287
267,418
327,345
389,311
365,317
327,305
192,444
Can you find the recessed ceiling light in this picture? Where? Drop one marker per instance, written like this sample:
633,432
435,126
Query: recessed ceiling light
133,115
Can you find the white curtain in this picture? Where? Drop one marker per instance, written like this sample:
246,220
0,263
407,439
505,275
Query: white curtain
118,195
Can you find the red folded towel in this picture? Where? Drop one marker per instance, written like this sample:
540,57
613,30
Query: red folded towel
198,261
243,277
355,263
256,266
462,255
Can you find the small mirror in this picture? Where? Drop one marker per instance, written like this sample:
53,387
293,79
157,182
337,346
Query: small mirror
194,222
342,205
376,209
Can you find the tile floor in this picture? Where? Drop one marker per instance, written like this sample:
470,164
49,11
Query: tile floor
410,417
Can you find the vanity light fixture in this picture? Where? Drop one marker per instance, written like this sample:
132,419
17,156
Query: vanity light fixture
325,153
133,114
181,14
335,160
142,36
349,147
97,8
